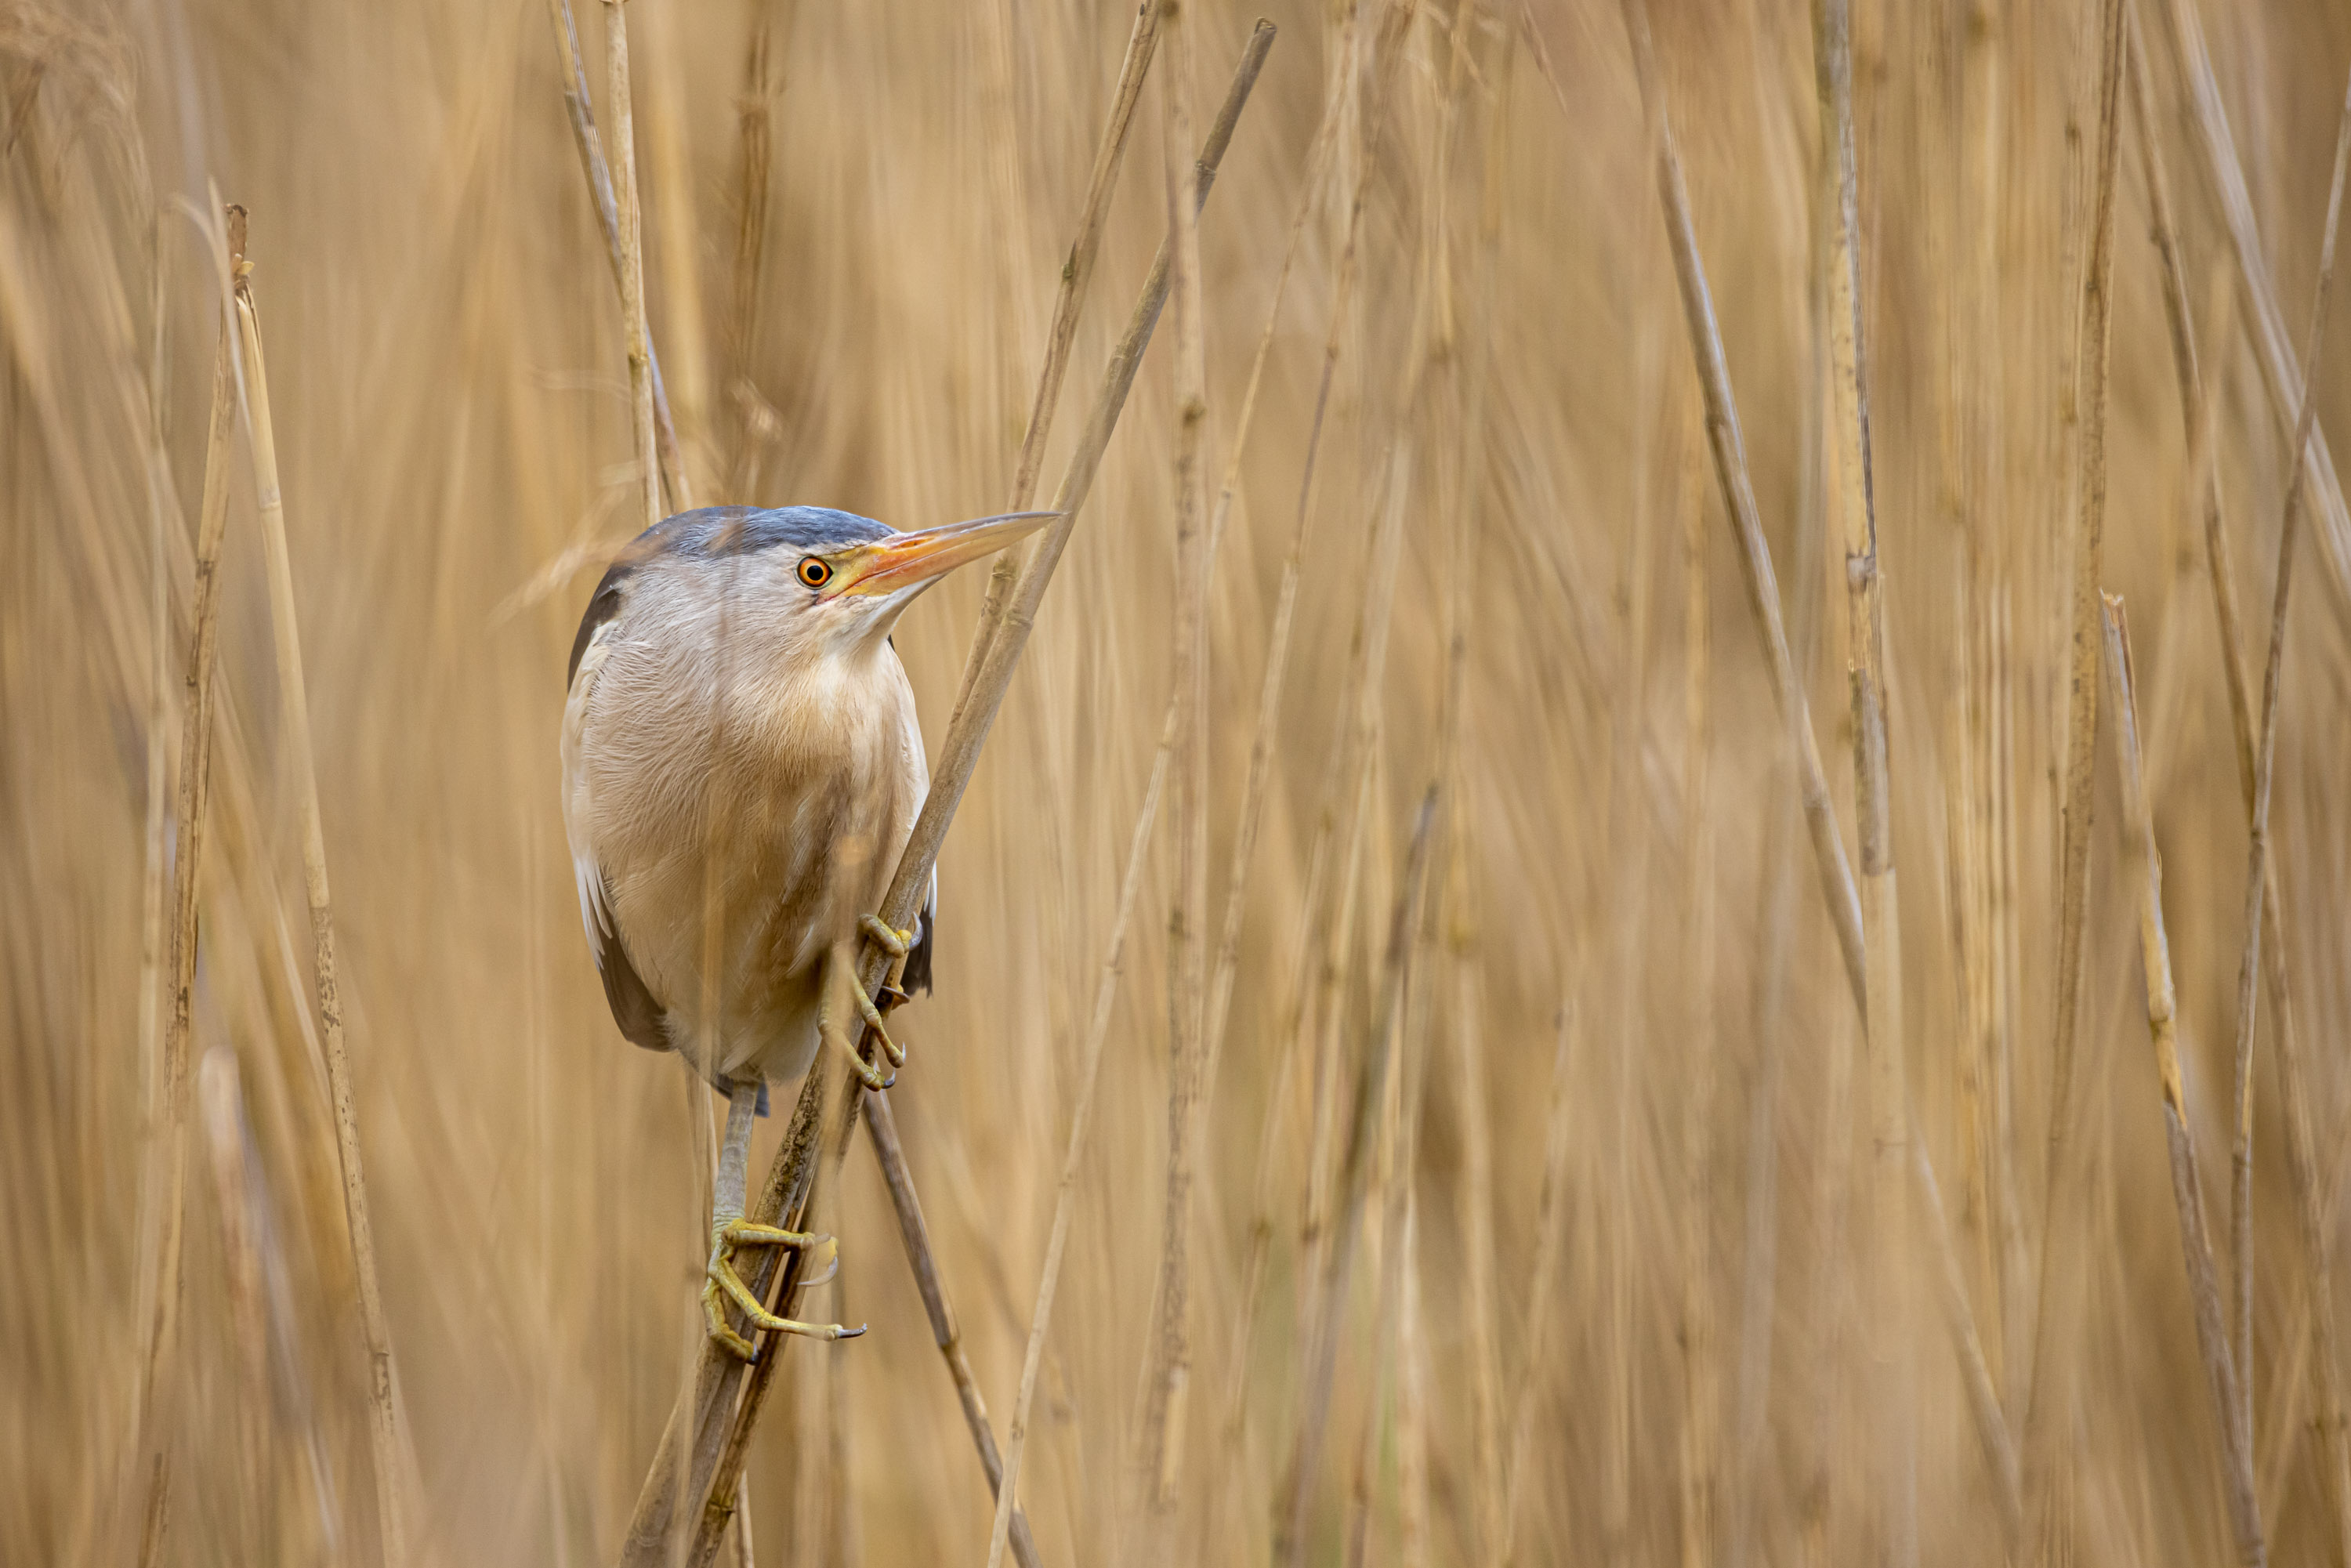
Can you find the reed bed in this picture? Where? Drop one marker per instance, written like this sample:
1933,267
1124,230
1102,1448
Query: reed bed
1423,1068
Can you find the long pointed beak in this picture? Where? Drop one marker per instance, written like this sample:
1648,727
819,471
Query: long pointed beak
901,560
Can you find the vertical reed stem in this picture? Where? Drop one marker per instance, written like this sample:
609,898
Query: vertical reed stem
384,1432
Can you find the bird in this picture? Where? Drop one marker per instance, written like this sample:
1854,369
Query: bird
742,767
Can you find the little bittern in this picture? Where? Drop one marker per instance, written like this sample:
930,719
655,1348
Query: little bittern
741,769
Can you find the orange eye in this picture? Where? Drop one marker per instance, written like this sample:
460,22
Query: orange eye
814,573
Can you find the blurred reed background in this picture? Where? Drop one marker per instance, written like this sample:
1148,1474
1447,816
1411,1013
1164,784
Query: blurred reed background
1640,1274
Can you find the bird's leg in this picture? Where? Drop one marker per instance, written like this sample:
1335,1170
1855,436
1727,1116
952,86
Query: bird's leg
729,1231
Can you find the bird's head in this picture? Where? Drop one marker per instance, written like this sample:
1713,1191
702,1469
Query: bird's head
815,579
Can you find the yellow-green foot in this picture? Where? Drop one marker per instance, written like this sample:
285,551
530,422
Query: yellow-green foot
723,1287
869,1072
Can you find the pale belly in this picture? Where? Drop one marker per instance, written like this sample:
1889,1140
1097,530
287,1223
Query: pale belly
728,877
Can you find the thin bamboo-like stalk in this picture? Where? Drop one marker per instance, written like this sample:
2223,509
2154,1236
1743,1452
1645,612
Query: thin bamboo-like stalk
673,215
753,156
2204,492
1729,451
2049,1406
1320,1360
1702,1397
882,1123
602,197
1896,1431
629,217
702,1421
896,1177
2281,377
384,1432
2186,1190
166,1181
1077,277
1550,1244
1081,1117
1313,966
1466,1009
1168,1375
2264,760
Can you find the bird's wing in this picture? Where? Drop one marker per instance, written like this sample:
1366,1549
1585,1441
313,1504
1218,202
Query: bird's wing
915,975
633,1007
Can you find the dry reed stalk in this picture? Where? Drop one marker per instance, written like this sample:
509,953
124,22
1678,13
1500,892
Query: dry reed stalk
220,1101
882,1123
1081,1116
1343,816
2049,1405
1320,1360
1077,277
1465,1012
2272,341
2258,871
152,951
165,1182
1550,1242
2204,491
1630,827
1251,815
1701,1450
897,1177
1328,135
674,226
1975,1370
1760,1250
2220,1372
1168,1373
1728,450
1889,1117
1984,562
382,1377
756,152
629,217
601,196
701,1420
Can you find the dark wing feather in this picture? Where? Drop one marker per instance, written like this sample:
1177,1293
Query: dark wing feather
633,1007
917,974
601,608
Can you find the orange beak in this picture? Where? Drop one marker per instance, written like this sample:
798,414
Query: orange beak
903,560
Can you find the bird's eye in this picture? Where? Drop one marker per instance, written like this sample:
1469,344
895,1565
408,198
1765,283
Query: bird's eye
814,573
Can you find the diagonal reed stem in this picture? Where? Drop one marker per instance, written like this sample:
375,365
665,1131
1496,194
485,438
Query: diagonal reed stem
961,752
2274,345
706,1419
1077,276
2204,491
2221,1372
2264,761
165,1185
1728,447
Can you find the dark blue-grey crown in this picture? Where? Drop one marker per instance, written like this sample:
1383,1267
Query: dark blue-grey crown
712,531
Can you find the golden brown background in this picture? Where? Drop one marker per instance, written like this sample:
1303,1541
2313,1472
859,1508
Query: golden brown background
1614,1297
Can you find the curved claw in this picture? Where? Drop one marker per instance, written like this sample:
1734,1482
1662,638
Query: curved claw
887,938
873,1016
722,1285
